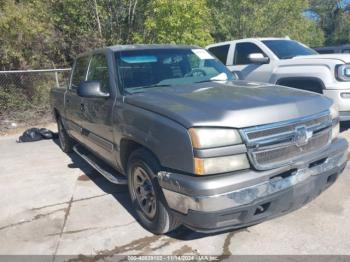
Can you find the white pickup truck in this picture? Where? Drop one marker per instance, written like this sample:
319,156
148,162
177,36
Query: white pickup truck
286,62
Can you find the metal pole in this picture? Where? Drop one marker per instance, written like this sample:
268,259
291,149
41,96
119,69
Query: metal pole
56,76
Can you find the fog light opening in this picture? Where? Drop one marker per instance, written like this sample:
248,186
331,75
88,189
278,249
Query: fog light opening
262,208
331,179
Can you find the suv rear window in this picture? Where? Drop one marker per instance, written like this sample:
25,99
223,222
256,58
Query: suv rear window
220,52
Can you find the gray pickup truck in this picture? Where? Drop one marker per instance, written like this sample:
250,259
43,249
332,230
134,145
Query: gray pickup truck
195,146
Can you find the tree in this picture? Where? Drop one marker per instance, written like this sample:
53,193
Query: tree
24,35
341,34
176,22
250,18
75,28
325,13
332,17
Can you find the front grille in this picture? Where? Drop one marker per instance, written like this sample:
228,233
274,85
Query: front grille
287,128
290,151
271,146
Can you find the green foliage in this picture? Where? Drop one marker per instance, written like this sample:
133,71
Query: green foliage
333,18
250,18
176,22
24,35
50,33
341,34
12,99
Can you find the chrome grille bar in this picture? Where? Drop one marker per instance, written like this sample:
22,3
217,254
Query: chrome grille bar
274,145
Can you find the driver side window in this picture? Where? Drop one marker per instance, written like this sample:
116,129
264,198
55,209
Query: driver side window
98,70
243,50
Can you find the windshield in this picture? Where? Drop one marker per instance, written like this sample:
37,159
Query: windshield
150,68
285,49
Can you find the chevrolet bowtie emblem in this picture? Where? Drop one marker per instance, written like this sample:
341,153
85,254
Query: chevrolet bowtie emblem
301,135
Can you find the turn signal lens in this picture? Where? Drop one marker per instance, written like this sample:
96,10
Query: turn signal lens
217,165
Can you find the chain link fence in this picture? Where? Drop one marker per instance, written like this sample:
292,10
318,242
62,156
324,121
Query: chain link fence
25,95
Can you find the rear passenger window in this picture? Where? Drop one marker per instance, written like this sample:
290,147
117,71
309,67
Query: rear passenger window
346,51
243,50
98,70
220,52
79,72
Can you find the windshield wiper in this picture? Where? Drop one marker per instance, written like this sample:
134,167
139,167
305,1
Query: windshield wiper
140,89
205,81
157,85
210,80
289,57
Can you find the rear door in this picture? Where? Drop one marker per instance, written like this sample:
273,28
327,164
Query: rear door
97,112
220,52
73,107
246,70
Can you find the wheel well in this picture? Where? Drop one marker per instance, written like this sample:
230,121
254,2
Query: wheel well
127,146
309,84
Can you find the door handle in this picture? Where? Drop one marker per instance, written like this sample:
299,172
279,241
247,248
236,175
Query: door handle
82,107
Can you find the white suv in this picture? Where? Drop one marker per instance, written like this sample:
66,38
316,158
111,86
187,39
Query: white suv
286,62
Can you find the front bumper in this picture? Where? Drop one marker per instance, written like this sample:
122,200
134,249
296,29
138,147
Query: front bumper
239,199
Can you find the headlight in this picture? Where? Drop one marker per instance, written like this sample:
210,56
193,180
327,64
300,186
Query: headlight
216,165
342,72
214,137
335,120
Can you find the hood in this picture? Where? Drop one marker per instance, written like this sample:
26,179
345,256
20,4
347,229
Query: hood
345,58
230,104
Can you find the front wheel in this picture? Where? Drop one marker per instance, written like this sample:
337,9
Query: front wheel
145,193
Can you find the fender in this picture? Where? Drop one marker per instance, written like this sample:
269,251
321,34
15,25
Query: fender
153,131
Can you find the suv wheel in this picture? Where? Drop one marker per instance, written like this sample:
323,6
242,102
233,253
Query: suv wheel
145,193
66,142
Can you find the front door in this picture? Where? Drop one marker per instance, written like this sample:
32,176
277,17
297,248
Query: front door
97,112
73,102
245,68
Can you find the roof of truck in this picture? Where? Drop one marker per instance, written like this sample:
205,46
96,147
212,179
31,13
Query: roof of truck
115,48
144,46
252,39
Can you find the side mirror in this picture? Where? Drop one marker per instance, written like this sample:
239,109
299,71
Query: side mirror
258,58
91,89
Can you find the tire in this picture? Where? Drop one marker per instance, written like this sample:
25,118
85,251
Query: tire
152,212
66,142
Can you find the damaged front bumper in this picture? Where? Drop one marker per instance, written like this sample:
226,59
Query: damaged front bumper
234,200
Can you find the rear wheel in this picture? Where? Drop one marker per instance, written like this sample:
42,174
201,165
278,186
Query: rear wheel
145,193
66,142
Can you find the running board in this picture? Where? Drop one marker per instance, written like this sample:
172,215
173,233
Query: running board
108,172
